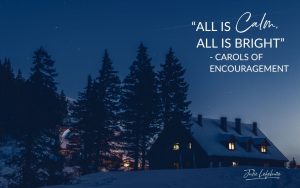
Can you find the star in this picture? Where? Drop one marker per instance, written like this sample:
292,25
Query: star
56,27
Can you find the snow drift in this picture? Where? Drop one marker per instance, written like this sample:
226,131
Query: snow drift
188,178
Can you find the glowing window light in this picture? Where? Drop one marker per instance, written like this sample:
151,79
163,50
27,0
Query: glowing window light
231,146
263,149
190,145
234,163
176,146
126,164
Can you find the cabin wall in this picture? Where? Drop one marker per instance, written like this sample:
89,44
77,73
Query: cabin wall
163,156
196,157
232,161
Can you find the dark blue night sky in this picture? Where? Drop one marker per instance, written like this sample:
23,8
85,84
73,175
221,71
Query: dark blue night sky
76,33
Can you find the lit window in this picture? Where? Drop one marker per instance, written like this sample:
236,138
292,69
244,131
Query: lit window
190,145
126,164
263,149
231,146
234,163
176,146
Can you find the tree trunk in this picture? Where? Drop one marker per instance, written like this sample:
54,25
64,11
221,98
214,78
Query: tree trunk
136,154
143,153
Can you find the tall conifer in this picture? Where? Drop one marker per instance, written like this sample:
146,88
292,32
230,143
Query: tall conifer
173,92
140,106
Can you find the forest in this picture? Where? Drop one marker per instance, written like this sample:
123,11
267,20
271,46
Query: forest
110,115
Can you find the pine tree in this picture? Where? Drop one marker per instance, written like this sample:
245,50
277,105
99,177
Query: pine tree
108,95
20,105
11,109
140,106
82,108
6,95
85,114
42,163
173,92
43,71
30,110
19,76
11,88
63,108
293,163
97,114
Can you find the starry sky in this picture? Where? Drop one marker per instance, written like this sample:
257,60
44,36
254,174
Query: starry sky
76,32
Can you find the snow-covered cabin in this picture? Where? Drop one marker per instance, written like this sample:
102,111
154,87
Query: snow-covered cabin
70,142
214,143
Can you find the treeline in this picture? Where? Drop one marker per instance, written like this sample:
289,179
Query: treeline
111,114
30,111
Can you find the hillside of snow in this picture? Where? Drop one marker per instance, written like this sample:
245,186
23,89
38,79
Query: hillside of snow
189,178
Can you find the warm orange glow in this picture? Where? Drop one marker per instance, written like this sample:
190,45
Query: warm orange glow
126,164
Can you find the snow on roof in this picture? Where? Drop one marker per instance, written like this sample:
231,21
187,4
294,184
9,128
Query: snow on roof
65,133
210,137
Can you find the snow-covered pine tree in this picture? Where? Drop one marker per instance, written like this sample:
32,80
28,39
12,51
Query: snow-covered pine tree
108,90
9,146
42,163
173,93
84,113
140,104
97,115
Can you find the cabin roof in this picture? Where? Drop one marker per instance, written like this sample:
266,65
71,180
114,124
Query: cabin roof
211,138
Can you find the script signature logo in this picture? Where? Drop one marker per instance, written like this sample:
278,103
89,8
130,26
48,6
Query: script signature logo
262,174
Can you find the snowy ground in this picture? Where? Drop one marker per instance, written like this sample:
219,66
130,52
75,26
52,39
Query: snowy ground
8,168
192,178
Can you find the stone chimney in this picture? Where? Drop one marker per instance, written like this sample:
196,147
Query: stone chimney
199,120
238,125
254,128
223,121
